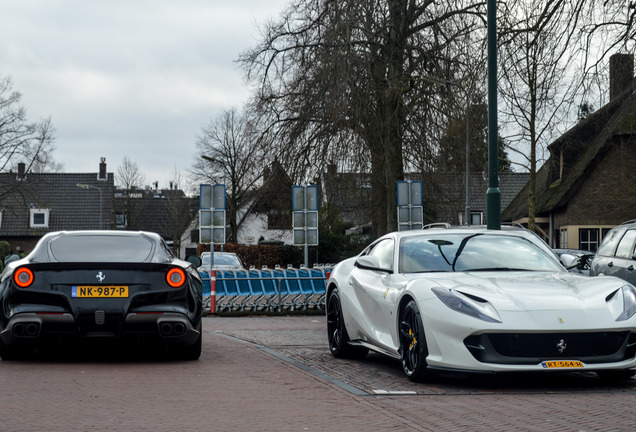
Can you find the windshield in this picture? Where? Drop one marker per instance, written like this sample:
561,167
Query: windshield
472,252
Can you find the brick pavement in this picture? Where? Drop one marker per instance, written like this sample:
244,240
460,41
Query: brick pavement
257,386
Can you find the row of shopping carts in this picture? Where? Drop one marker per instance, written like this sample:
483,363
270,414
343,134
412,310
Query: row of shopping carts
277,289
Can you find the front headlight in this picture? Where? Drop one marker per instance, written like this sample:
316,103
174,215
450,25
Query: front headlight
469,305
622,303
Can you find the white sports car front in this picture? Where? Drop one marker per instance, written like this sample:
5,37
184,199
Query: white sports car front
471,299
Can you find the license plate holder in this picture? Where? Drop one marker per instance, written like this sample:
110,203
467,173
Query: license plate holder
99,291
562,364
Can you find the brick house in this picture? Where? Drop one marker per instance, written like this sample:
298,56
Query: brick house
33,204
587,184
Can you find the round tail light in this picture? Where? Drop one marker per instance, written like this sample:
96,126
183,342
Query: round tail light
23,277
175,277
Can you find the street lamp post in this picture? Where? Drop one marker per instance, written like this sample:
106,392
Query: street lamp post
101,202
440,81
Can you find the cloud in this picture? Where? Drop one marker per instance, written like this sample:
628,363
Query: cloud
128,78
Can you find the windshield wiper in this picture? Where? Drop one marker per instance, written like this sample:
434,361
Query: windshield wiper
496,269
430,271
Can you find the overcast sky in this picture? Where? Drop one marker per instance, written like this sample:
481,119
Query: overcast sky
135,78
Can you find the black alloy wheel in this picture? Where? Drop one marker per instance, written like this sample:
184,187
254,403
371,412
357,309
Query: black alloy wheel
413,343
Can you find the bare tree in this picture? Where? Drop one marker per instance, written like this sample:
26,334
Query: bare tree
179,211
545,71
228,153
131,180
129,175
338,82
20,140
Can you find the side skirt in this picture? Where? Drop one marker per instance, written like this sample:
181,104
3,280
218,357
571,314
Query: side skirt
377,349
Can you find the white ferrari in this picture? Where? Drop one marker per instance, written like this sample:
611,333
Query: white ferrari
472,299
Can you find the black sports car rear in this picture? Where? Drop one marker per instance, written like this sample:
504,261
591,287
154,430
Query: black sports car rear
98,288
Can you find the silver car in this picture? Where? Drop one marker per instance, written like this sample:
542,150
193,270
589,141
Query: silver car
616,255
222,261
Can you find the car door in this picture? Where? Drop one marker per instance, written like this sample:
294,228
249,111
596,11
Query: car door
370,288
603,261
622,265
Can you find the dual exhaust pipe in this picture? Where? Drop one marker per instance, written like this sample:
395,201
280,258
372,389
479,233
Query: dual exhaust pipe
26,329
172,328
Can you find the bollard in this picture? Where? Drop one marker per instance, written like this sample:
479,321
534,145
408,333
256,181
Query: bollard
212,291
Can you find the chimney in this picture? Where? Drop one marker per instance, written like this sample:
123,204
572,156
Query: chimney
621,74
102,170
21,169
332,170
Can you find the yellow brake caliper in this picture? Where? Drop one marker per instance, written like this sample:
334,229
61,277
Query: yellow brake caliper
413,340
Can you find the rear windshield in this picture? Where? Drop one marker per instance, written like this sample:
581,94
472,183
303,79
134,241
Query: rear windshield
101,248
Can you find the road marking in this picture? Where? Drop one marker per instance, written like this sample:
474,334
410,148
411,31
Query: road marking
394,392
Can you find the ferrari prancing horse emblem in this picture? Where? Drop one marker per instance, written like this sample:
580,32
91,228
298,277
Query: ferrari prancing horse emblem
100,277
561,346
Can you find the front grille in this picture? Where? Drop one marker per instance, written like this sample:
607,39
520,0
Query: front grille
533,348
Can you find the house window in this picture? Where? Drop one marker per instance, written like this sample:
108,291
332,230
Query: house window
278,219
39,218
476,218
564,239
588,239
120,220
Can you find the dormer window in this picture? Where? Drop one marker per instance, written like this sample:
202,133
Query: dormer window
39,218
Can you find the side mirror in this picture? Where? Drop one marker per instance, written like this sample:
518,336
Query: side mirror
569,261
369,262
194,260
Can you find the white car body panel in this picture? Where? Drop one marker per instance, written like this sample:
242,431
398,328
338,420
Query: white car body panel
527,302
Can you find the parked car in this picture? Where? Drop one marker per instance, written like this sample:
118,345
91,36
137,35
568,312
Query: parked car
575,260
222,261
472,299
100,287
615,256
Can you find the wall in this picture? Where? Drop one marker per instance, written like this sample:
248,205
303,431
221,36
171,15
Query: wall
608,194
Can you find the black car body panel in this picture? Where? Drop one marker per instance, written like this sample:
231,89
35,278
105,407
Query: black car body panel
119,292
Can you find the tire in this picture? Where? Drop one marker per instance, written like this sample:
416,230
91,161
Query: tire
193,352
413,349
10,353
337,332
615,375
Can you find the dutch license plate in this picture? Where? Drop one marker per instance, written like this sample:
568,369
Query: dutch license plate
562,364
109,291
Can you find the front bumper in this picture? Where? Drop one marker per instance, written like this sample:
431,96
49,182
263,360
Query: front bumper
526,342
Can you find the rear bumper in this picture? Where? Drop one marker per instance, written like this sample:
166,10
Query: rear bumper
35,329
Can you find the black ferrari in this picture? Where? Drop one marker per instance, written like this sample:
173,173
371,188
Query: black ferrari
100,288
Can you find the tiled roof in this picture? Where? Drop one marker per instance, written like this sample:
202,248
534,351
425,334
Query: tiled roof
581,146
350,194
166,212
70,207
444,194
